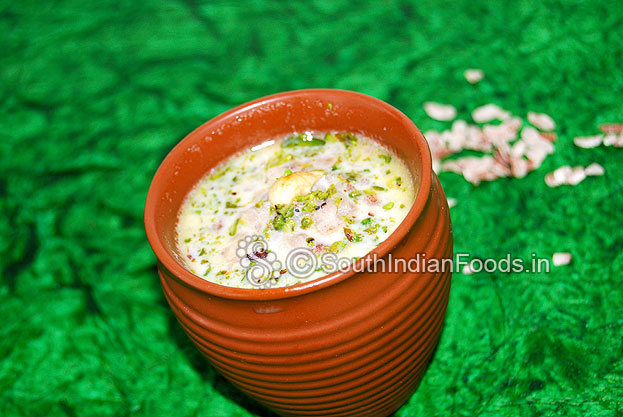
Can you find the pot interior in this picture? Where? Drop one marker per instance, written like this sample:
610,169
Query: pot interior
269,118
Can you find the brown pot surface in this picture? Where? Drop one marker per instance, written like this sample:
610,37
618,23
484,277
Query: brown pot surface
350,343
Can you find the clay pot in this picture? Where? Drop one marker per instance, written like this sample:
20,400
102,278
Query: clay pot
350,343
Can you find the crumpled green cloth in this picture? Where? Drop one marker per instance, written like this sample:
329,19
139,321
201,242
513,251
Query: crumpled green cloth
95,93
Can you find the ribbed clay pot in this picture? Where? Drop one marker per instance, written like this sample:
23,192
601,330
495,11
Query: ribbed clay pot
347,344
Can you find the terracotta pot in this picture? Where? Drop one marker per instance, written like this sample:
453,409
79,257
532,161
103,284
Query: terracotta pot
350,343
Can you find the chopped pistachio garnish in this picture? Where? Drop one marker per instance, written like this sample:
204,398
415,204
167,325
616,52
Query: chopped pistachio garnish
302,140
350,176
306,222
289,226
330,138
352,236
234,227
372,229
278,222
219,173
337,247
347,138
280,158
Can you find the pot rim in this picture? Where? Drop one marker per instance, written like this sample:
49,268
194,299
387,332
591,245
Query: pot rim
168,261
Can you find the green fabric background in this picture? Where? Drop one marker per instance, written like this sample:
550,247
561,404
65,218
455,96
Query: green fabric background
93,94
